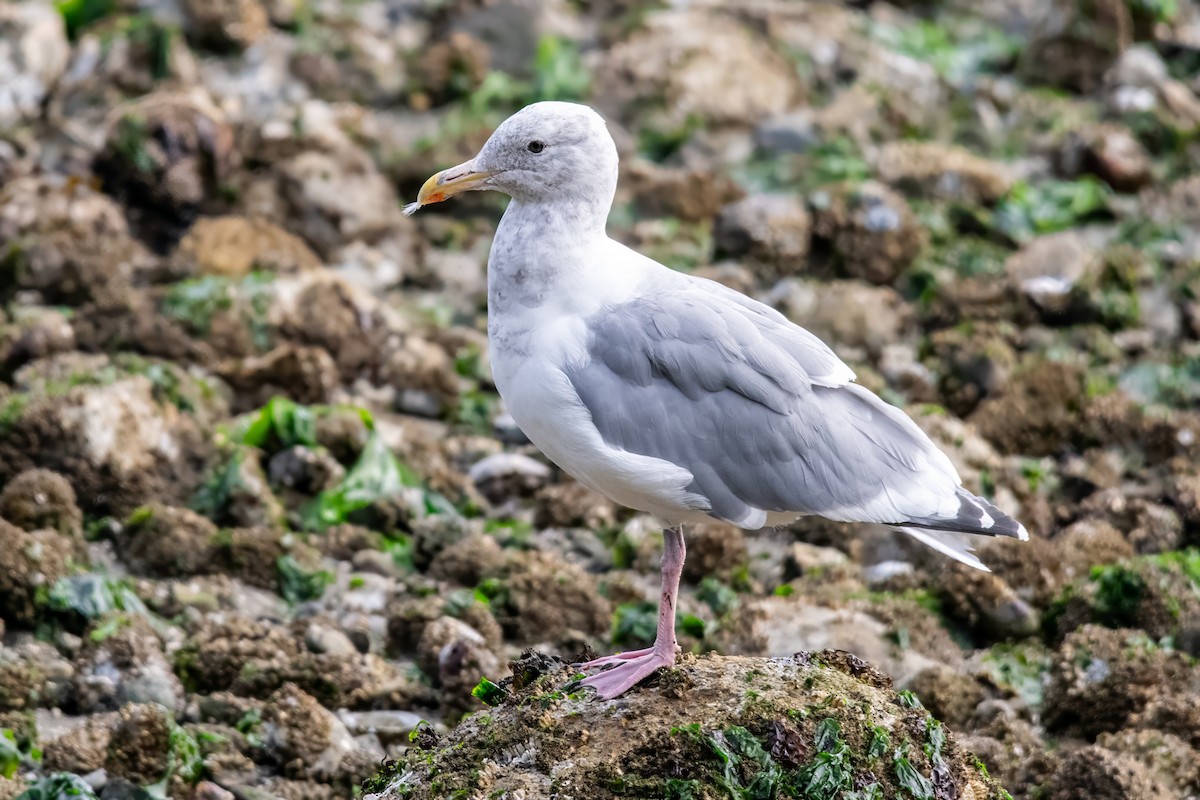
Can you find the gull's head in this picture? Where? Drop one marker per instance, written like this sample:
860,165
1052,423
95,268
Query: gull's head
546,152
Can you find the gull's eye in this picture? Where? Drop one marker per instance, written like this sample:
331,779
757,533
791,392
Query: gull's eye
536,147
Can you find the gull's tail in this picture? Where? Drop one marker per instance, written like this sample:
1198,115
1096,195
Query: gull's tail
975,516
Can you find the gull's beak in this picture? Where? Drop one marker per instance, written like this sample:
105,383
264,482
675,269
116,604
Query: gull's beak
448,183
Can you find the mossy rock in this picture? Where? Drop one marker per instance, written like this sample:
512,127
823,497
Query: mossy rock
819,725
1158,594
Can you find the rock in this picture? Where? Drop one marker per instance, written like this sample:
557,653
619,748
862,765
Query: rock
985,603
713,548
567,505
1185,495
237,493
775,626
433,534
39,498
140,745
237,654
950,695
324,639
30,563
858,321
123,661
792,132
1038,412
65,241
772,230
1155,596
1101,678
974,362
359,332
339,196
870,229
804,558
392,727
544,599
35,333
307,375
1095,773
678,734
466,561
305,471
1075,43
502,476
33,675
103,424
938,171
1053,271
233,247
1118,158
690,194
455,656
83,748
694,66
1166,756
33,54
165,156
224,25
164,541
307,740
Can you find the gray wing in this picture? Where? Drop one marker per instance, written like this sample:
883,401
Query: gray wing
762,414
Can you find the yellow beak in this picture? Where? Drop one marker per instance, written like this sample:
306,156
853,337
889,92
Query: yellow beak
448,183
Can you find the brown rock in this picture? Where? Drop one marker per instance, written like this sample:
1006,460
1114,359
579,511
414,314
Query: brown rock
166,541
871,230
64,240
695,65
140,745
1039,412
772,230
950,695
232,247
165,156
686,193
224,24
946,172
1095,773
1116,155
30,563
39,498
713,548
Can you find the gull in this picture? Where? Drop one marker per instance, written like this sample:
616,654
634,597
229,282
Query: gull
675,395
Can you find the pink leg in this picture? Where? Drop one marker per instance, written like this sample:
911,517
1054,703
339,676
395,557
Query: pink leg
631,668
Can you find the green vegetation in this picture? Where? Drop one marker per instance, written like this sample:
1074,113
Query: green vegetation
78,14
912,781
1175,386
1119,592
1020,667
196,302
637,624
58,786
830,774
1030,210
280,424
298,584
10,754
489,693
957,55
91,596
376,475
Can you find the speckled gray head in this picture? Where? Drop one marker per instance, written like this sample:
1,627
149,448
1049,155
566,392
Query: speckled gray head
546,152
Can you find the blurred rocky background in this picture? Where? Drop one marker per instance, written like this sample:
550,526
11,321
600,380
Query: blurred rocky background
264,522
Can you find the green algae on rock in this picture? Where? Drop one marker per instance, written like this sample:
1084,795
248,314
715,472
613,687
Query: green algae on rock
816,725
